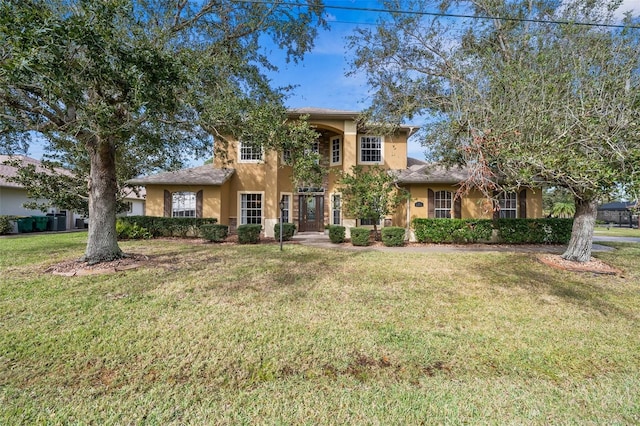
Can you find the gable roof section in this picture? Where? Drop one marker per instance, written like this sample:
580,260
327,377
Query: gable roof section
338,114
202,175
421,172
7,171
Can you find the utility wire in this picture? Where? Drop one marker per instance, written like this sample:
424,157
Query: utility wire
448,15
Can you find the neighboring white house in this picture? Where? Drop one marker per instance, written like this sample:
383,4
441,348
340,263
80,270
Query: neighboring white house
135,201
14,195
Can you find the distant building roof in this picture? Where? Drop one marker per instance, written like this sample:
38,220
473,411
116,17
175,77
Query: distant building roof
618,205
8,171
202,175
138,193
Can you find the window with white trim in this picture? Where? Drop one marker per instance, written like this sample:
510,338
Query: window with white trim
250,208
336,151
250,153
286,216
183,204
508,205
370,149
336,209
443,201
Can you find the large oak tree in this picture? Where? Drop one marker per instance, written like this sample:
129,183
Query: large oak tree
121,87
521,92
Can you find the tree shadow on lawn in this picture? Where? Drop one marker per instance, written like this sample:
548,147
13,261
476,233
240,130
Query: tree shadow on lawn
582,289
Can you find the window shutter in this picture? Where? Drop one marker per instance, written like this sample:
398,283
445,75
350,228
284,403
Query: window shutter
457,207
199,197
522,201
431,204
167,203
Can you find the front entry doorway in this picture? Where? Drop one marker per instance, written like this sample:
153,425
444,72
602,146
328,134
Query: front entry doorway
311,213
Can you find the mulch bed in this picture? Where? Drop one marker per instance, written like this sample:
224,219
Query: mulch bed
595,266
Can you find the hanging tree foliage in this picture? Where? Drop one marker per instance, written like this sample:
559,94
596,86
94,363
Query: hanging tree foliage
130,86
528,98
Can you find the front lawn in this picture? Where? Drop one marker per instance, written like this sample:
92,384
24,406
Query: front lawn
614,231
215,334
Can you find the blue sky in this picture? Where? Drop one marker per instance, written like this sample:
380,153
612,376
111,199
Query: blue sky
321,76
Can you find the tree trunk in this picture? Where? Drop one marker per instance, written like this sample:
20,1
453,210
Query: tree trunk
584,221
102,243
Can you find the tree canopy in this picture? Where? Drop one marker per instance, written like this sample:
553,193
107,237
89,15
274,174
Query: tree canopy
523,93
122,87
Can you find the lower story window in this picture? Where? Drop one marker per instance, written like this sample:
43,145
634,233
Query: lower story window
369,222
250,209
508,205
336,209
183,204
287,208
443,202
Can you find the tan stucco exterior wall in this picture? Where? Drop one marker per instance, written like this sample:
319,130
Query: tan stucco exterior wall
211,199
474,204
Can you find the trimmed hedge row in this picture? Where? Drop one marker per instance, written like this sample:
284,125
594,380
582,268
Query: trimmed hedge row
512,231
170,226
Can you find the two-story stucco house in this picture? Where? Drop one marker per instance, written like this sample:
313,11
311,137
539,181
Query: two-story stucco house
250,185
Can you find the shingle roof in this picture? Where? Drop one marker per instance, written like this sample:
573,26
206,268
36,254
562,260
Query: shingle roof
203,175
11,171
618,205
420,172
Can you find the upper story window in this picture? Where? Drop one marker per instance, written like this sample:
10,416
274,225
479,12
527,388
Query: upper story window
250,153
443,201
508,205
336,151
370,149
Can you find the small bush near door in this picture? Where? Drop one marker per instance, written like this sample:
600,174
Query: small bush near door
249,234
288,229
337,234
360,236
393,236
216,233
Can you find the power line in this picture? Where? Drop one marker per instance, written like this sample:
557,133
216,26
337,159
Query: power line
449,15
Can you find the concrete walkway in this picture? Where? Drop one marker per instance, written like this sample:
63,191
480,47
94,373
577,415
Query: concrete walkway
320,240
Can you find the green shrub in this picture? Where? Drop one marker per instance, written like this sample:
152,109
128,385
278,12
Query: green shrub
214,232
170,226
360,236
5,224
393,236
288,229
337,234
131,231
249,233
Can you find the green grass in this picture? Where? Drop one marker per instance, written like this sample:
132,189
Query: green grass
617,232
213,334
